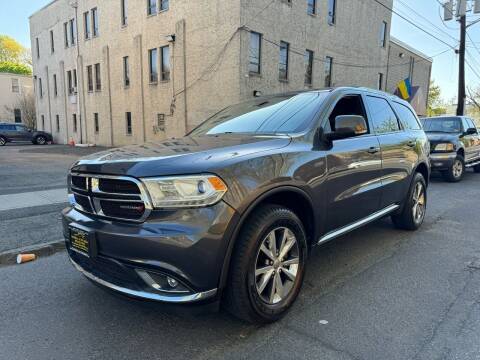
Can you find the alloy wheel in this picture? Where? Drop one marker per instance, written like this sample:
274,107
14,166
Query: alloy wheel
457,169
276,266
2,141
40,140
419,203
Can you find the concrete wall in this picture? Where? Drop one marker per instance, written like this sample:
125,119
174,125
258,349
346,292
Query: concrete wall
8,98
405,62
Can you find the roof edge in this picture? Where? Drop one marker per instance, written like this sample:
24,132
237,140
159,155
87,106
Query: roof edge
410,48
43,8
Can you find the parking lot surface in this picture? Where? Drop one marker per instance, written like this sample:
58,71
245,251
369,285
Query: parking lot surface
377,293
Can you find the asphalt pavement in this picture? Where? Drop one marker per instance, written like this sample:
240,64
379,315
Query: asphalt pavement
377,293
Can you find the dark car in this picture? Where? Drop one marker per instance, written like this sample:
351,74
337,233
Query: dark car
230,212
454,144
10,132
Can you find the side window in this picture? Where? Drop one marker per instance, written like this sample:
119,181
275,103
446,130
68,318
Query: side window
382,116
465,124
471,124
20,128
407,117
348,105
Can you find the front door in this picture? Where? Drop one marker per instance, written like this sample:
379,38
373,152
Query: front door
22,133
353,185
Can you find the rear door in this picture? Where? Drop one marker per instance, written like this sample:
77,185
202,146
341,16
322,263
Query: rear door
398,150
475,140
353,185
10,131
469,141
22,134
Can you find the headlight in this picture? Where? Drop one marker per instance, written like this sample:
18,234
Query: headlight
445,147
185,191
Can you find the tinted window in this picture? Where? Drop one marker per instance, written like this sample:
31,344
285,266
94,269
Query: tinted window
278,114
382,116
470,124
445,124
407,117
21,128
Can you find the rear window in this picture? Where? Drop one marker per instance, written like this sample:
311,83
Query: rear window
407,117
282,114
444,124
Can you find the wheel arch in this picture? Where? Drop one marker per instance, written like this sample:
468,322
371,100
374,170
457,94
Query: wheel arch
423,169
291,197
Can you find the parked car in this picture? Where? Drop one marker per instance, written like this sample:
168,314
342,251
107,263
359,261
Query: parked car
455,145
230,212
11,132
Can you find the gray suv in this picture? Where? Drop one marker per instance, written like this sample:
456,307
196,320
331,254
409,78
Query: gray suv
230,212
11,132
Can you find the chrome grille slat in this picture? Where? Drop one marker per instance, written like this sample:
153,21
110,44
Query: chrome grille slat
137,194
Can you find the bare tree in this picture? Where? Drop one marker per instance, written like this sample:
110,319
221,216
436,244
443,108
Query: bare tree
473,98
26,104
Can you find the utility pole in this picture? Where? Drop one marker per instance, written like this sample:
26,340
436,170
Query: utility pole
461,67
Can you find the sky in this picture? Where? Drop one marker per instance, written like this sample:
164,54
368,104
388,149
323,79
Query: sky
14,22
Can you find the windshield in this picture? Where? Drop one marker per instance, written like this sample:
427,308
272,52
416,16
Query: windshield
446,125
281,114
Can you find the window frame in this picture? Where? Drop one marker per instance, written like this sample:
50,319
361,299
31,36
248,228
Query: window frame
37,47
72,32
128,123
383,34
380,81
52,42
96,124
164,73
126,71
124,12
153,65
55,85
284,46
15,86
331,12
98,77
308,59
86,25
57,121
161,5
151,7
312,7
65,35
75,123
17,113
90,86
40,87
329,62
417,120
250,57
95,22
370,112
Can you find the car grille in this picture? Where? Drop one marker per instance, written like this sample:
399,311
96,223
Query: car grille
121,198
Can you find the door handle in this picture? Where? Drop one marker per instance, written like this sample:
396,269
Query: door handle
412,143
373,150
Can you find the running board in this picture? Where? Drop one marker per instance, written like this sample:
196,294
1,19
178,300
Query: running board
472,164
336,233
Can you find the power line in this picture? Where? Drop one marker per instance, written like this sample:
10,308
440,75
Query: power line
413,24
473,69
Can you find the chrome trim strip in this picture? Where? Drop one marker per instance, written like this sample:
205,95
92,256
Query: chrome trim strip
377,215
146,295
469,165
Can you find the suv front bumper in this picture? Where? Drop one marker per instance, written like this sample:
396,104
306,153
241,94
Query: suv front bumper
442,161
187,245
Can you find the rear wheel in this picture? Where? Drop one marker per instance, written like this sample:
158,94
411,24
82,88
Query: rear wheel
268,265
456,171
3,141
414,210
40,140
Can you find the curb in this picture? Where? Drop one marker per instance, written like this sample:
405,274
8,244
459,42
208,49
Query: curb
41,250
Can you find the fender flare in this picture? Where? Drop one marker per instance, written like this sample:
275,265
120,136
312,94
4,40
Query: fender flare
234,230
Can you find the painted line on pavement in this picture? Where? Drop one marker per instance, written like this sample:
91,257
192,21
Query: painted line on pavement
34,198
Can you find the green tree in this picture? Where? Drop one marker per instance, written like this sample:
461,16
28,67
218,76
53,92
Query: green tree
14,58
436,105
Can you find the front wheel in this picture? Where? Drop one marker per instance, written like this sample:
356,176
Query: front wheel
414,209
456,171
268,265
3,141
40,140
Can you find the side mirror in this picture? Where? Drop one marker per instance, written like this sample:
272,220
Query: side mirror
471,131
347,126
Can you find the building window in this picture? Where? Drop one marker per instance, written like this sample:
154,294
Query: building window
52,42
70,82
255,53
283,63
72,32
151,7
165,65
74,72
152,63
40,87
161,122
328,71
95,123
15,86
17,113
311,7
95,22
126,72
124,11
380,81
65,34
43,122
37,45
332,9
383,34
55,88
75,123
86,25
308,67
163,5
128,121
57,120
98,78
90,78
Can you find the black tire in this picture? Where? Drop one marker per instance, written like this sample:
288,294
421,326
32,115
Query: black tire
407,219
456,171
40,140
3,141
242,298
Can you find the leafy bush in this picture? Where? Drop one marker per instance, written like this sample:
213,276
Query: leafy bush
15,68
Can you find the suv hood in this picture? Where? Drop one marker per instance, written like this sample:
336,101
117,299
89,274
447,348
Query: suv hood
442,137
188,155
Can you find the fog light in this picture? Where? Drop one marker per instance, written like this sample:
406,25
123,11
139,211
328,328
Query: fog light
172,282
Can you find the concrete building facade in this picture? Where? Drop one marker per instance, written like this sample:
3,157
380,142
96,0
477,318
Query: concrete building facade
12,88
117,72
